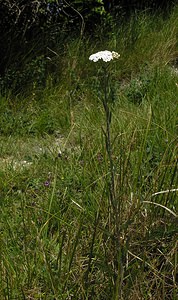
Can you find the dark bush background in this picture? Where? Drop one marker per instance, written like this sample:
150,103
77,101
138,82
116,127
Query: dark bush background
29,28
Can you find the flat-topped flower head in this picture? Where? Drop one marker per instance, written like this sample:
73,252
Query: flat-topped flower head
104,55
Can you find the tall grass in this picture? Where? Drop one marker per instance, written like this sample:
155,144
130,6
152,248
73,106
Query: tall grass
60,239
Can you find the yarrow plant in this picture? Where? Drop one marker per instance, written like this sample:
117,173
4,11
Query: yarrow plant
106,56
113,203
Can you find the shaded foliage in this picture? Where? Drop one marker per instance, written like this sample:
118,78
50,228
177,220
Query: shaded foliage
28,28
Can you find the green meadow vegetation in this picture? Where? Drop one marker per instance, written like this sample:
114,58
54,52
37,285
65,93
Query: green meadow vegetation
89,203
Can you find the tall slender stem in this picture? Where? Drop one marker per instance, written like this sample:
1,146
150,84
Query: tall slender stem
115,205
108,143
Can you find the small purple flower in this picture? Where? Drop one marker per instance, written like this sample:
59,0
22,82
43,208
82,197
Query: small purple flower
47,183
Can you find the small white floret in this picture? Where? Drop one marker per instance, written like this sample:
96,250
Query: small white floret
115,54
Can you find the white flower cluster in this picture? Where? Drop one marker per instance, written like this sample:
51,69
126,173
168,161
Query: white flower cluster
104,55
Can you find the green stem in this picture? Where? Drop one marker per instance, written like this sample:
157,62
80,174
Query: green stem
114,202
